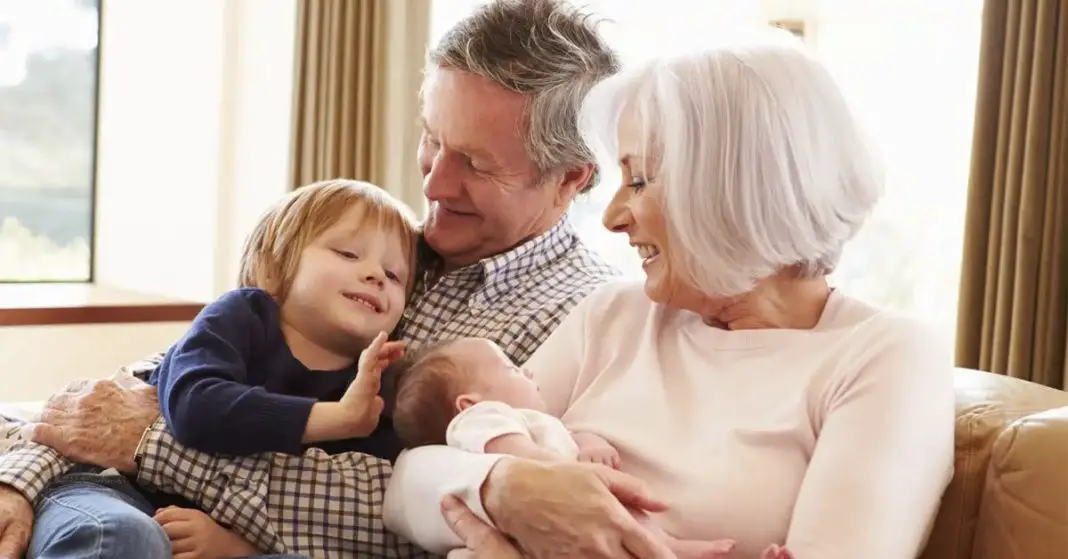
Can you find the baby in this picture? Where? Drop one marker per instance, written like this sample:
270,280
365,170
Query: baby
467,394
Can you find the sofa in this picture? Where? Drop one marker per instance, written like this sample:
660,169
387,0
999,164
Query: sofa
1009,494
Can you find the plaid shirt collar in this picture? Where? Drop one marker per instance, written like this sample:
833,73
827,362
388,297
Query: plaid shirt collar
499,273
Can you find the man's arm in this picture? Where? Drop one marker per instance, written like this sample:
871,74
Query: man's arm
29,468
312,504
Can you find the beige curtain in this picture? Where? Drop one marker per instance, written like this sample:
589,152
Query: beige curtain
1014,283
358,71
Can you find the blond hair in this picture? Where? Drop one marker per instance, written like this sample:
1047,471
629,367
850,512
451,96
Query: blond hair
273,249
427,383
546,49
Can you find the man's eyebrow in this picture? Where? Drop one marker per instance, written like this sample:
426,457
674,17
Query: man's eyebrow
462,148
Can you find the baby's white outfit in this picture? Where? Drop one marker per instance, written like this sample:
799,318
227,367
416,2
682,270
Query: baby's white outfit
475,426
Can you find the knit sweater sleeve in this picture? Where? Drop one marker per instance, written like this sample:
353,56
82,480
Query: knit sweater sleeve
886,437
209,395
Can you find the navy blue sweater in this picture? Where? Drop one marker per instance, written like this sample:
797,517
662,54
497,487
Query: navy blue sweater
231,385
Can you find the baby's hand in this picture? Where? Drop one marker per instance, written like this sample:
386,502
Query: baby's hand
194,535
593,448
777,552
361,400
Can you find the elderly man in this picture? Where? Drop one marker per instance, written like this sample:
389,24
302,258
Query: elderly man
502,160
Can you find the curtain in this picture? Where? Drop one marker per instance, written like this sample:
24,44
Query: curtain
356,92
1014,277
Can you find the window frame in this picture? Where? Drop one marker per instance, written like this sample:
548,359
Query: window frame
94,144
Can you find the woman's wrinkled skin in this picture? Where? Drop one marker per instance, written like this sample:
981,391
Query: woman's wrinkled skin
480,540
583,510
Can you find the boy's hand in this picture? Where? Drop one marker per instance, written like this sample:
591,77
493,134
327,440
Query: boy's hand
593,448
361,401
194,535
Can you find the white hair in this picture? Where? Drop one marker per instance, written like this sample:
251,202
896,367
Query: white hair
761,163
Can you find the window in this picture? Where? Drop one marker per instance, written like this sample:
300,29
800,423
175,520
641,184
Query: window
48,84
910,69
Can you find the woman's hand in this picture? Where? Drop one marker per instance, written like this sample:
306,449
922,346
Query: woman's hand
480,540
571,510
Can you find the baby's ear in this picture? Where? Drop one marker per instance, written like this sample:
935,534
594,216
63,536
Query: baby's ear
464,401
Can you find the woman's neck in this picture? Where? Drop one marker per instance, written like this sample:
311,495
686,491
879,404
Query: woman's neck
775,302
314,356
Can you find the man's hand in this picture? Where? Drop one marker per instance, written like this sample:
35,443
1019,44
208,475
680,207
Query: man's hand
571,510
16,521
596,450
98,422
480,540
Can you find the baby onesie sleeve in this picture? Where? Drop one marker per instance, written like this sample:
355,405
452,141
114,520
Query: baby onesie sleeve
550,433
479,424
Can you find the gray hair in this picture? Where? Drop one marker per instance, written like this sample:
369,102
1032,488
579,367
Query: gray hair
761,162
545,49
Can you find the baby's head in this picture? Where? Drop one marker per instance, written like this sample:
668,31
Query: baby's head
339,257
437,382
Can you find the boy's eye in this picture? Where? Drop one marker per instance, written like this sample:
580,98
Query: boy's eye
345,254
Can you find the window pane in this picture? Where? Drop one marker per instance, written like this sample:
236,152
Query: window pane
48,74
909,68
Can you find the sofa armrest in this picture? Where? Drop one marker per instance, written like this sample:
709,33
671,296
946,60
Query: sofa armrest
1024,510
987,406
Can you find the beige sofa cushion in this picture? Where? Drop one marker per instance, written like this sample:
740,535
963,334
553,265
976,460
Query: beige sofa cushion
989,413
1023,512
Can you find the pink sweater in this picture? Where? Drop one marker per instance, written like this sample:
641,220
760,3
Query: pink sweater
837,441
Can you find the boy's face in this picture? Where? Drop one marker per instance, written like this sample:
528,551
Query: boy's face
349,285
496,378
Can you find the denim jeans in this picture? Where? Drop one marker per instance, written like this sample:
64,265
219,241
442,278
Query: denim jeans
101,517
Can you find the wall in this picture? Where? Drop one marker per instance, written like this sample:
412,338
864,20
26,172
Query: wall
193,145
195,110
38,360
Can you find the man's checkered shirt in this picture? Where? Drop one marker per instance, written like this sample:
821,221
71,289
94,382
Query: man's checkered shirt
331,506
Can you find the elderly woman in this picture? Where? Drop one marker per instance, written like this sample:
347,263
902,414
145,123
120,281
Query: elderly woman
757,402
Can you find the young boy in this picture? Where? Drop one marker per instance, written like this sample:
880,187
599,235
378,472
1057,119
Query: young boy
295,355
467,394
